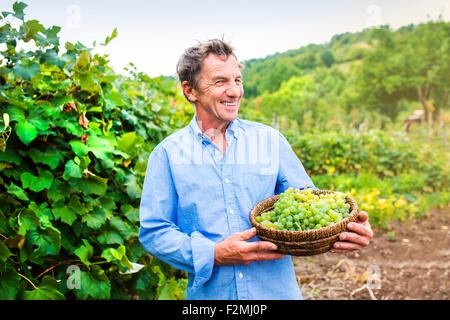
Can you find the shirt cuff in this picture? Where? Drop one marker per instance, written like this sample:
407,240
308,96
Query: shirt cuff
203,256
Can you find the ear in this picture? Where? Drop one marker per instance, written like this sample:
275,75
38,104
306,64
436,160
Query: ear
189,91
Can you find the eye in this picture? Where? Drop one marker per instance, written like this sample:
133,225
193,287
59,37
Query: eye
238,80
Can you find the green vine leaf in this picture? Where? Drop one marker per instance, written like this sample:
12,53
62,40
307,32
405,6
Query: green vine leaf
10,281
79,148
72,170
37,183
47,239
85,252
119,254
61,211
4,254
18,8
90,185
27,69
17,191
52,57
94,284
110,237
46,291
51,157
95,219
26,131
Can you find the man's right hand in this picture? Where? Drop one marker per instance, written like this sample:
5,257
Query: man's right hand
236,250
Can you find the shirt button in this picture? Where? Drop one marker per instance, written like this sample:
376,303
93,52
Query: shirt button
241,275
231,211
227,181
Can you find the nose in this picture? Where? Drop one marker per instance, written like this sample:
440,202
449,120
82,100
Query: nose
234,89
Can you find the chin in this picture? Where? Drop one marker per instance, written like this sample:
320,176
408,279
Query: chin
231,115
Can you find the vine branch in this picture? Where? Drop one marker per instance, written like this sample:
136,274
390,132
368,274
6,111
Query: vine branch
28,280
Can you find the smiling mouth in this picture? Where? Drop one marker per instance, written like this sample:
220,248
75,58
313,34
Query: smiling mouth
229,104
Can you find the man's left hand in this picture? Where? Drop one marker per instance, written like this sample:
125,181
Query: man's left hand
357,239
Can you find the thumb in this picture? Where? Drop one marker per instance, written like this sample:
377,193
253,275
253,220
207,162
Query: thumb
247,234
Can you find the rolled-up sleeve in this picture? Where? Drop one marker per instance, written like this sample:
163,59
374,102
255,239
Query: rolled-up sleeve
291,172
159,233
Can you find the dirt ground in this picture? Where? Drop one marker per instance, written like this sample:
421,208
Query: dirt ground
412,264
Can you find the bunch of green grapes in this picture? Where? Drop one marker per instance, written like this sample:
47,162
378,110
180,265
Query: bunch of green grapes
300,210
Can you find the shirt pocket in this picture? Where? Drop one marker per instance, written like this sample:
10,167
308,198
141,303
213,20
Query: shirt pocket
259,184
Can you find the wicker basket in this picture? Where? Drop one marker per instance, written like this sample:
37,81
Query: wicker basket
302,243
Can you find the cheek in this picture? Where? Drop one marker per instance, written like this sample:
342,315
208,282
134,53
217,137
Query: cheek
242,91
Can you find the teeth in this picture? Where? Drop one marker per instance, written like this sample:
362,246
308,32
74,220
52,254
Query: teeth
229,103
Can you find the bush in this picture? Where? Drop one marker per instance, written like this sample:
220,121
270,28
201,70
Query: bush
73,154
381,153
400,197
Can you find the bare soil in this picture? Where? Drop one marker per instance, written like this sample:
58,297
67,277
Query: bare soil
410,263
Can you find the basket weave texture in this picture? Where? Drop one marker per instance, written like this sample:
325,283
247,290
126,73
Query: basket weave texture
302,243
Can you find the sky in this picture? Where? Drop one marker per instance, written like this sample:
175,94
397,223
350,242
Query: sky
153,34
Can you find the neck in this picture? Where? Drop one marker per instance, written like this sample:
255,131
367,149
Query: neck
215,130
211,127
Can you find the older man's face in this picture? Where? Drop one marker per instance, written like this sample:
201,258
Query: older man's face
220,89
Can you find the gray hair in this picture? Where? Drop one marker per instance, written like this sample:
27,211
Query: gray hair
189,65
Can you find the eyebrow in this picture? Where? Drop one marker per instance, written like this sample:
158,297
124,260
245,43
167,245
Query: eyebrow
217,77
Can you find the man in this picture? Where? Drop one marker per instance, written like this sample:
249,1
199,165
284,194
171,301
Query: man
202,182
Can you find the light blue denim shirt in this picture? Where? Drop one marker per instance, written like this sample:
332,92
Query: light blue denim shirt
194,196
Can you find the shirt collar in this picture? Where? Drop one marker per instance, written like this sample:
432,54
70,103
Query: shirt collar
233,129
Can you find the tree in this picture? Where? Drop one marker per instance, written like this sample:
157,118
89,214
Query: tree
431,46
294,98
407,65
327,58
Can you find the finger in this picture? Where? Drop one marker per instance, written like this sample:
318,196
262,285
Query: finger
355,238
247,234
363,216
361,229
264,256
348,246
259,246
